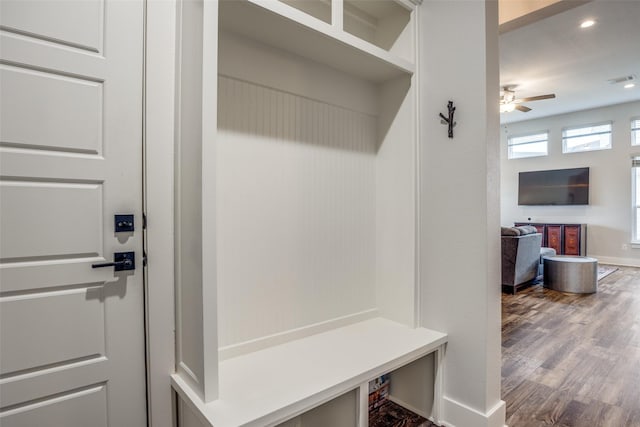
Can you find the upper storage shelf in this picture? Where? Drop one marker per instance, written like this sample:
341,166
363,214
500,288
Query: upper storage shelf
376,43
383,23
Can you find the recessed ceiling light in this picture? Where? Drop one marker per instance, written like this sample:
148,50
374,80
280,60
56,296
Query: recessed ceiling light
629,78
629,85
588,23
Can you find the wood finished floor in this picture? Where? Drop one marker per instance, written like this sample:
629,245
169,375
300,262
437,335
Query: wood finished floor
573,360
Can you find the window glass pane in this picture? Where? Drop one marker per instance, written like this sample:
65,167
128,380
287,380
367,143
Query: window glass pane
525,139
528,145
635,132
587,143
587,130
588,138
528,150
636,201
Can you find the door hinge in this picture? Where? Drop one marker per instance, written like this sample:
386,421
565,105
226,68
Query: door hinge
144,221
144,258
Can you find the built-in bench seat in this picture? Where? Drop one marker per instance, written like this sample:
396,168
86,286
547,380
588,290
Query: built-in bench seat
270,386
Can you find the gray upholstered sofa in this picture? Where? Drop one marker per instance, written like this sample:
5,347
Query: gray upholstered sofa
520,257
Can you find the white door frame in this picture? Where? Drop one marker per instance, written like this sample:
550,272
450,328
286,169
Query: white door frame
159,126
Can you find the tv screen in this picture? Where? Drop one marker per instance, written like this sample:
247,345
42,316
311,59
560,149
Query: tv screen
554,187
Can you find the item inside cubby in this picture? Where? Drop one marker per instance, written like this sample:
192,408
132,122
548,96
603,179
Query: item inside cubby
378,393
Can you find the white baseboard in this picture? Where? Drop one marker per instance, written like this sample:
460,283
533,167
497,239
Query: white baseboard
456,414
623,262
246,347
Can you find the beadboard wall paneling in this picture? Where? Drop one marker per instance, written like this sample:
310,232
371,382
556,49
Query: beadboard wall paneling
296,211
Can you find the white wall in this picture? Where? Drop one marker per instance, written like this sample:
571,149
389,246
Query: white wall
608,215
459,178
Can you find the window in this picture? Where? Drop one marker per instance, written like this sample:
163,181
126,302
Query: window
531,145
586,138
635,197
635,132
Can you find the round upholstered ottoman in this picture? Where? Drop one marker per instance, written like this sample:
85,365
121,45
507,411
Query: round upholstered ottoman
577,274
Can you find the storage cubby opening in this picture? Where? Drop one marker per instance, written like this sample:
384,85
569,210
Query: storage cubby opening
296,193
383,23
403,396
302,34
339,412
319,9
302,150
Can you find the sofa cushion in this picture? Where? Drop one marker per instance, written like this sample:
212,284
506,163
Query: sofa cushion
509,231
526,229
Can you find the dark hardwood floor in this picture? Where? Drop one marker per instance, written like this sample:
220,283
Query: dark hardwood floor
573,360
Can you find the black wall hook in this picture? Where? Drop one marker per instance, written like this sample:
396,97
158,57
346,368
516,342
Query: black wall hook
449,120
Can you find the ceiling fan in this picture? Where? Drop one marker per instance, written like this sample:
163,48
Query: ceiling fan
509,102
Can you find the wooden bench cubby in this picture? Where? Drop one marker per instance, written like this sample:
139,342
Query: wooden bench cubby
296,281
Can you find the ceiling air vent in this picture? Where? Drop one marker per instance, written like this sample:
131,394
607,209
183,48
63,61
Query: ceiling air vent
623,79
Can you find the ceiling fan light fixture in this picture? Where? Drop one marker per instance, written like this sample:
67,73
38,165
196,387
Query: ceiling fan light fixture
587,23
507,108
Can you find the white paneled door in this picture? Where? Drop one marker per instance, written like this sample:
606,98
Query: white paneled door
71,336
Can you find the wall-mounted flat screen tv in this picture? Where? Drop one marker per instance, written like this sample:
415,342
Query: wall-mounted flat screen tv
554,187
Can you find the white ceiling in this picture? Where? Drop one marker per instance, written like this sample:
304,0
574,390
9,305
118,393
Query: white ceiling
554,55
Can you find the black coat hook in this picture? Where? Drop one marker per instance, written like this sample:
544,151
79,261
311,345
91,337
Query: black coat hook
449,120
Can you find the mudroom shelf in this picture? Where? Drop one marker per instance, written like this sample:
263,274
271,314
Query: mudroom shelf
283,26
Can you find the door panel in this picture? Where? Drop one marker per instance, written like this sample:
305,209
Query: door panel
71,22
85,407
51,379
68,111
72,328
72,336
50,219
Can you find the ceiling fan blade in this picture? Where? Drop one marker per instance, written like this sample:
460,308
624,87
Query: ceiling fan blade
534,98
523,108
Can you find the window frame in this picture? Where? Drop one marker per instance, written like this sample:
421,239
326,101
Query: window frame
635,203
635,131
524,135
583,126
